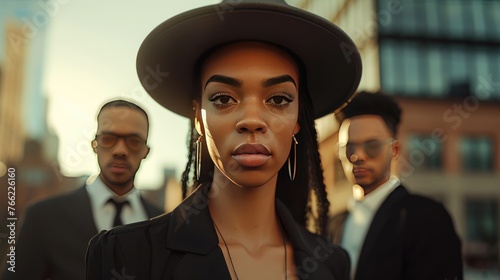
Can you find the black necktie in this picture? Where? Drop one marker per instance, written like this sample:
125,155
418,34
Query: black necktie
118,206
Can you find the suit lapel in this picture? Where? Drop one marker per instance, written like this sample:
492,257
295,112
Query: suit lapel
151,210
379,222
192,238
305,248
81,213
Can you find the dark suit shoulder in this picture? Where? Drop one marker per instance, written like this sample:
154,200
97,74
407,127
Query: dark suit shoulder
55,203
425,209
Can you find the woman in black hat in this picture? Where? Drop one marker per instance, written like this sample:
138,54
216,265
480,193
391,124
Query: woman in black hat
252,76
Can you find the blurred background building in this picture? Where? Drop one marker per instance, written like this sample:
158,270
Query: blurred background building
441,60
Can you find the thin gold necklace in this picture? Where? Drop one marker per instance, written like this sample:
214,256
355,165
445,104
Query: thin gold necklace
231,260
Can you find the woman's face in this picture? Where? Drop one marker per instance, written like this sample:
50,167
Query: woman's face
249,110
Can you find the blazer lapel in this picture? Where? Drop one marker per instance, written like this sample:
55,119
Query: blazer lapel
151,210
379,222
81,214
305,248
191,234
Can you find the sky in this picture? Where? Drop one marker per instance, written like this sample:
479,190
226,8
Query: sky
91,48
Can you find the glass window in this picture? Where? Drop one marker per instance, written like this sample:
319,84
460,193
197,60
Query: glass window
409,20
387,66
481,244
419,17
389,21
495,74
476,153
434,18
452,10
435,73
493,19
411,59
424,153
458,74
480,81
477,11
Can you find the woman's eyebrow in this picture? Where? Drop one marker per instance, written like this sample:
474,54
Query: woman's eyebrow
223,79
278,80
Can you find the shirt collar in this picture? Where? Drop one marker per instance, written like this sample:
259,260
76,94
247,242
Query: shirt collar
373,200
100,193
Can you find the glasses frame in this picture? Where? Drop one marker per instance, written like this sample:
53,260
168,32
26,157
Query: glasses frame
121,136
364,145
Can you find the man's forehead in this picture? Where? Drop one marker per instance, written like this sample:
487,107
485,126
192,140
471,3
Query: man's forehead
363,126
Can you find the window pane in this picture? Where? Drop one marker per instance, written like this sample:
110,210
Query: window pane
387,66
481,244
411,66
476,153
434,20
454,19
458,79
480,80
424,153
493,19
437,86
478,18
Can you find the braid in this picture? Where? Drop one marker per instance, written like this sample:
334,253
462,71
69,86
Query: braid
315,171
191,160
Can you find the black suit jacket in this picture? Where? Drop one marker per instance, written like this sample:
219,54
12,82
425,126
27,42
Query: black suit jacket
54,238
410,237
184,245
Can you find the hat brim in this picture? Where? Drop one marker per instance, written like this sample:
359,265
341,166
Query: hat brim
167,58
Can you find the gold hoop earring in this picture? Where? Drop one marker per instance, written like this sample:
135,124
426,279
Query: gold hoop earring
198,147
292,175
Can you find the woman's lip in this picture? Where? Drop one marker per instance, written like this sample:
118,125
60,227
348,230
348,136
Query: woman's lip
252,149
251,160
251,154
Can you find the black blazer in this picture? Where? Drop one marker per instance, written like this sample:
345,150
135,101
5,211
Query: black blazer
184,245
410,237
54,238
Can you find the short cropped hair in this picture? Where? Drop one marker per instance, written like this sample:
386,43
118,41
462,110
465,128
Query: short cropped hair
122,103
373,103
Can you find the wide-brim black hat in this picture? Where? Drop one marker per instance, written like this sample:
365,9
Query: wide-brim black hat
168,56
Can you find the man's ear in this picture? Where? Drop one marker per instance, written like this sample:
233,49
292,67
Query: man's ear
198,124
94,145
396,149
147,152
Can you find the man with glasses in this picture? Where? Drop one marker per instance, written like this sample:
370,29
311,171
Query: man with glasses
56,231
388,232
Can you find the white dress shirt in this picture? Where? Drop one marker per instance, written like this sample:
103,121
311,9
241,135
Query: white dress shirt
104,212
361,212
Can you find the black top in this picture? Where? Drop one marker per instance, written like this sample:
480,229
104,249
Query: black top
184,245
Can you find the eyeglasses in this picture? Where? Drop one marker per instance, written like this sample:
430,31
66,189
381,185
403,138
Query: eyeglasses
371,148
108,140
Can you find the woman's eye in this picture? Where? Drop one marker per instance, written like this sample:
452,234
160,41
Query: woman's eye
222,100
280,100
